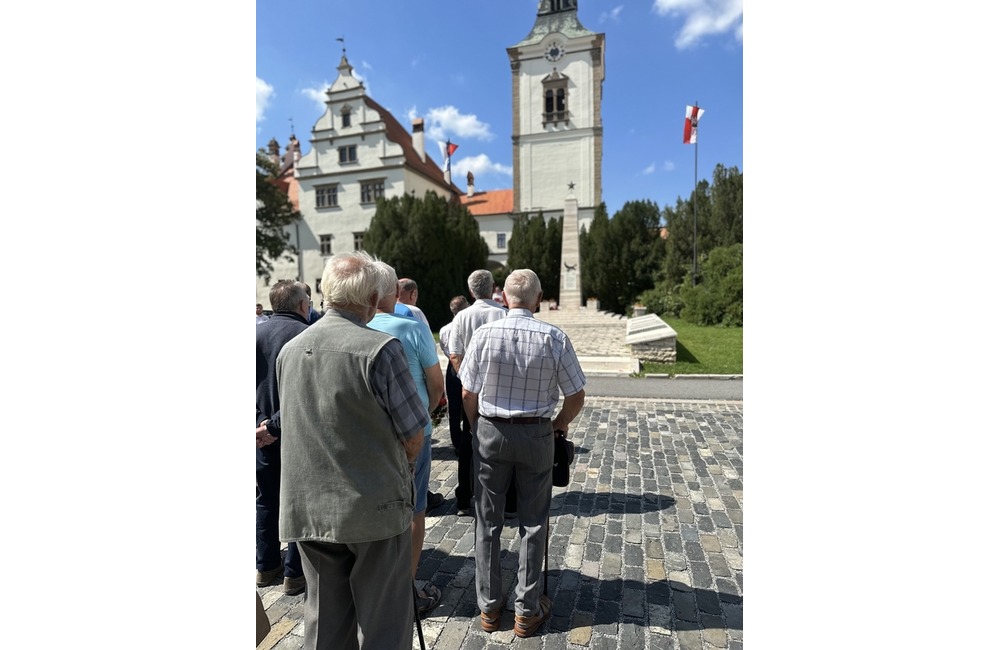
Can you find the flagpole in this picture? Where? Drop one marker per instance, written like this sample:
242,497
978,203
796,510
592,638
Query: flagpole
694,276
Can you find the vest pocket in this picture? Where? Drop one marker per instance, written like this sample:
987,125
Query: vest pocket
392,505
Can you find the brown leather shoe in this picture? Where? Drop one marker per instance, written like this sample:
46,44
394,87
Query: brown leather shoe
294,586
265,578
525,626
490,621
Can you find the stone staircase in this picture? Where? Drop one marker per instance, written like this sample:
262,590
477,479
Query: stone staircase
598,338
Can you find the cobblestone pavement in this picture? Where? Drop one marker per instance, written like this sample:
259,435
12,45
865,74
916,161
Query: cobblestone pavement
646,543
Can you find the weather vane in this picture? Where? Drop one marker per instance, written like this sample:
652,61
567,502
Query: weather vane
344,47
292,125
571,185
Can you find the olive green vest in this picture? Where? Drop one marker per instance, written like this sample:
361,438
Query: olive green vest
344,474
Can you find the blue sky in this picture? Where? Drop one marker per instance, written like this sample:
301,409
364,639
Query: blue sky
446,61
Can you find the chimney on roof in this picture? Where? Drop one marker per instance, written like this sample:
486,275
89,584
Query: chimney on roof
418,138
295,150
471,180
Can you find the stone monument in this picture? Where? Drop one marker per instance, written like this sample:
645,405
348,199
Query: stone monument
569,271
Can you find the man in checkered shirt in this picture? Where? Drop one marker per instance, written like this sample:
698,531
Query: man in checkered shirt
512,373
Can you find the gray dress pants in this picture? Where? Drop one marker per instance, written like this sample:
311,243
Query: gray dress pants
352,588
502,452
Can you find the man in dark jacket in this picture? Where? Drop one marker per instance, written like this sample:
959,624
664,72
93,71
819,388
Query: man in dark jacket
290,302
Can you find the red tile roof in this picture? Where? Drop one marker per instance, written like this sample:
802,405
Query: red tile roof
396,133
491,202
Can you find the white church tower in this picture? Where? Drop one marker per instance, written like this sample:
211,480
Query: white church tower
557,80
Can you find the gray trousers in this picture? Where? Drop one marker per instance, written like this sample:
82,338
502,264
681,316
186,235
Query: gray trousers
358,586
500,450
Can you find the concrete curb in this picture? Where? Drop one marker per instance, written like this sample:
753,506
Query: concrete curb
665,376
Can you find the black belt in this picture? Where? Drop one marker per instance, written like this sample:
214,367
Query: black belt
534,419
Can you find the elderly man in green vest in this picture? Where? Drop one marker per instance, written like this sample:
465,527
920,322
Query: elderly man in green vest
352,426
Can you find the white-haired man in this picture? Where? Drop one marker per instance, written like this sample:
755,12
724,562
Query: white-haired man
512,374
352,426
422,360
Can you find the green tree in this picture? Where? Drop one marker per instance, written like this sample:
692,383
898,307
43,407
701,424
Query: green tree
274,213
637,251
679,256
549,269
537,245
621,256
432,240
718,300
594,255
725,216
719,223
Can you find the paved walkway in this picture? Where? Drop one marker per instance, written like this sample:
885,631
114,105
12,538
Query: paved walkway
646,547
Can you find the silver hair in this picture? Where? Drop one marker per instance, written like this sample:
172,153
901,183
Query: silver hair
389,283
481,284
522,287
350,279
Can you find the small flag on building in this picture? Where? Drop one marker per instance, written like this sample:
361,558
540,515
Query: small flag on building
450,149
691,119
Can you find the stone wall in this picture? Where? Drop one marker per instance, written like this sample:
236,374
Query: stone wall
650,339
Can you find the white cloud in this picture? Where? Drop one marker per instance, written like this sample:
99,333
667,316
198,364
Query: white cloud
264,93
666,167
478,165
318,95
366,65
447,122
611,15
703,18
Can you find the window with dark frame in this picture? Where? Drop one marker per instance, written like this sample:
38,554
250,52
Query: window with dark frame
372,191
325,244
326,196
348,154
556,96
345,118
501,240
359,240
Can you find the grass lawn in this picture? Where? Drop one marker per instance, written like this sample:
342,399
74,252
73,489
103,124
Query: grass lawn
702,351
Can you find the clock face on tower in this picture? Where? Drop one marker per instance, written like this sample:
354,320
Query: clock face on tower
554,52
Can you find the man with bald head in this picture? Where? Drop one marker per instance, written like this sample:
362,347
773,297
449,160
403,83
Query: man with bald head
352,427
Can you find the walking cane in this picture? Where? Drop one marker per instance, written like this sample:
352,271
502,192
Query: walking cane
416,619
545,572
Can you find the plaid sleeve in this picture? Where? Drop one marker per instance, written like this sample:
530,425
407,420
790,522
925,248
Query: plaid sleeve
396,393
571,377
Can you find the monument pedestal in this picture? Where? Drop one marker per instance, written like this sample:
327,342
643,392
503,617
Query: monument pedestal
569,272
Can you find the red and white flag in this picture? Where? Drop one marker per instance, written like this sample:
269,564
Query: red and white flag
447,161
691,119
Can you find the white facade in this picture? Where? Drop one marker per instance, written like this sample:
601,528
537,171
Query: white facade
558,76
359,152
557,141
